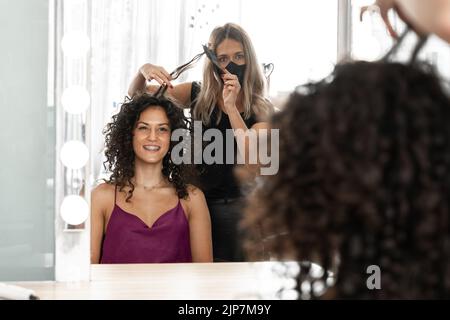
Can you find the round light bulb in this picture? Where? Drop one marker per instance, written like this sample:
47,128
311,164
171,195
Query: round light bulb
75,100
74,210
316,271
74,154
75,44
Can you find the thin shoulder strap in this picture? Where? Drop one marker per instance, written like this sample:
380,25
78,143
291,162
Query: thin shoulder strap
115,194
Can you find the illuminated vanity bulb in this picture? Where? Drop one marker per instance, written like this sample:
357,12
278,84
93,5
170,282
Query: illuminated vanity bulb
316,271
74,210
75,44
74,154
75,100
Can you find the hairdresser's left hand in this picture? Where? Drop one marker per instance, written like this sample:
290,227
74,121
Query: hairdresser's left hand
231,90
385,6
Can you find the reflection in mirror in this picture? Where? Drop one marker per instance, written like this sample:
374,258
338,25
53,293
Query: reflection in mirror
148,210
72,98
126,37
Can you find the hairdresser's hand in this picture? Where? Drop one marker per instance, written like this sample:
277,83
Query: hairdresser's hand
150,72
231,90
385,6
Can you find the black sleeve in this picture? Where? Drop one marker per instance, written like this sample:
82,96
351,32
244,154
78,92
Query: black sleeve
195,90
251,121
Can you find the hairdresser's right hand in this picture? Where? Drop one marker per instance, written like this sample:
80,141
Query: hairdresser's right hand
151,72
385,6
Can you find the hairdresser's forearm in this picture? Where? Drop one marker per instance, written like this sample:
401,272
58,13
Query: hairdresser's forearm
236,120
137,85
241,134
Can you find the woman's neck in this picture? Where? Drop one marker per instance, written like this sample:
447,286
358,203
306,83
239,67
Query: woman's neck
148,175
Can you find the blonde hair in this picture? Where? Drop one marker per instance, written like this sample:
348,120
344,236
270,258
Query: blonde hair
253,87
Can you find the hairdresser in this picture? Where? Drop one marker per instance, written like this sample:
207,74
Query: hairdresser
231,96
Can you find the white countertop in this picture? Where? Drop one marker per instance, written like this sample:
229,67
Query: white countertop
206,281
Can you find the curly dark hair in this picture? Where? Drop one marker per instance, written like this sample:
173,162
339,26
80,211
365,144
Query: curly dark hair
120,156
364,176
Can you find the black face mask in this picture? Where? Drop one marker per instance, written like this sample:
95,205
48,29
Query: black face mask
233,68
238,70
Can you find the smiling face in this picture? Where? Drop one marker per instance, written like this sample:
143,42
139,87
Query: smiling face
151,136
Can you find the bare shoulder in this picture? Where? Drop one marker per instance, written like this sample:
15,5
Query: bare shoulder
195,200
195,193
103,193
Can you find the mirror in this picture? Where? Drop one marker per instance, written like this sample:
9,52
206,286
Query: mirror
126,35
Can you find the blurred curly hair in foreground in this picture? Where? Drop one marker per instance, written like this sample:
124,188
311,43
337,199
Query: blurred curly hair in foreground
365,177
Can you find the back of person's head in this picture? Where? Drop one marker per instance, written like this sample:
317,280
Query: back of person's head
253,86
365,176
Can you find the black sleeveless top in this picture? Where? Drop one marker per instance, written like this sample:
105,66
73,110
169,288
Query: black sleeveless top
218,180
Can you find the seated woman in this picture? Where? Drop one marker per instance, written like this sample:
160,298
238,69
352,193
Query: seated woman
147,212
364,183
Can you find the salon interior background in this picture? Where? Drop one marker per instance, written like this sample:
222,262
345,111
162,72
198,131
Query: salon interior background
303,39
